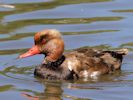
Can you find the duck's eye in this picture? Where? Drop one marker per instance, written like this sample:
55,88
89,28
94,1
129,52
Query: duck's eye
43,38
44,41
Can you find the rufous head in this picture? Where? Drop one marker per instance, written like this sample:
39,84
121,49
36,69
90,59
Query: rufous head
48,42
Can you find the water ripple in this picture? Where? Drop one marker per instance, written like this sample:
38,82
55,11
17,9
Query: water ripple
102,24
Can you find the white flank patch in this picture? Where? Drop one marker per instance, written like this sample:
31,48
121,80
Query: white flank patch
85,73
95,74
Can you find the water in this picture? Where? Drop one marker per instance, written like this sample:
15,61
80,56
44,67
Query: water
105,24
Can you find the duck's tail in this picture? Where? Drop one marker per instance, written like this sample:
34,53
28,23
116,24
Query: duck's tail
123,51
118,53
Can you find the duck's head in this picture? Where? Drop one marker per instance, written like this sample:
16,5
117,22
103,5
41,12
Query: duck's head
48,42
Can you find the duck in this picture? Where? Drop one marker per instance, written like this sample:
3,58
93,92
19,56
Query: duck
75,64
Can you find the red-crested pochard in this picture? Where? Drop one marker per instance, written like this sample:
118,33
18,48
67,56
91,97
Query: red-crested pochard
79,63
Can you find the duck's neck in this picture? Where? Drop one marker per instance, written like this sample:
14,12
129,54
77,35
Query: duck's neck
55,64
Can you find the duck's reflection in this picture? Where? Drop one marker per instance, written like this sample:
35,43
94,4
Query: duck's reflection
52,91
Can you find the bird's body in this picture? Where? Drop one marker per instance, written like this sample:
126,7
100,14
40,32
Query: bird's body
79,63
82,63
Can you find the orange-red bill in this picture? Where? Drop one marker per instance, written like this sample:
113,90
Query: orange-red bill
32,51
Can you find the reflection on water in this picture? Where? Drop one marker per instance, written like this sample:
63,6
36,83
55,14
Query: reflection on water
103,24
53,91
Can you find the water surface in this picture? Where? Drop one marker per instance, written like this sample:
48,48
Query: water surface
105,24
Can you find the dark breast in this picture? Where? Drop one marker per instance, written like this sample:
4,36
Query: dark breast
49,72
